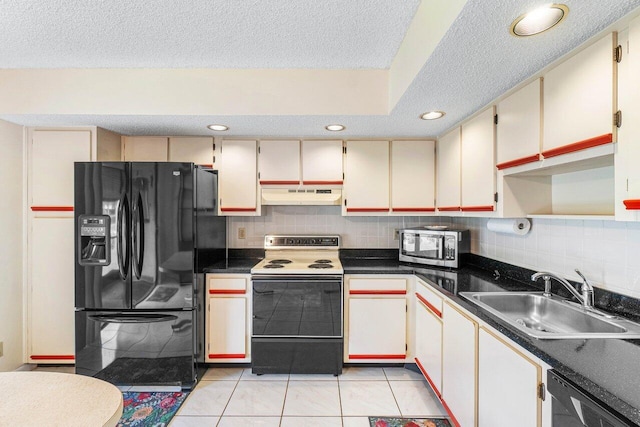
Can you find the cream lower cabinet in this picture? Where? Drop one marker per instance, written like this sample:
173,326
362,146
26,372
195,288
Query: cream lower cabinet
508,384
376,313
459,372
228,324
51,292
428,340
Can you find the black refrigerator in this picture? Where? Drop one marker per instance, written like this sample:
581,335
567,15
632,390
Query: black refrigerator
143,234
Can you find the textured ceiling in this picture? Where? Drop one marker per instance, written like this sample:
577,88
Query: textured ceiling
476,61
202,33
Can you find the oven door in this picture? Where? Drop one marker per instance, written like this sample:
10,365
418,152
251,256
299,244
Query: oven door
297,306
422,246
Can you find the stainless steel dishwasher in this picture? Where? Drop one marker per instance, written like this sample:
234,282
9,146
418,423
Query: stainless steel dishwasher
570,407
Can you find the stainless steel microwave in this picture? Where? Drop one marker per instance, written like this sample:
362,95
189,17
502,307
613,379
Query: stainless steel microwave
434,245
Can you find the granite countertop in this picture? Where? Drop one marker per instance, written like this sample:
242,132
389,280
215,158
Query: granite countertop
607,369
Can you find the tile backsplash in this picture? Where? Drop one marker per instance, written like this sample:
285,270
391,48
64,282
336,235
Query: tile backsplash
607,252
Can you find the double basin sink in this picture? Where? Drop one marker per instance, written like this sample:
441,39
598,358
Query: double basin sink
549,317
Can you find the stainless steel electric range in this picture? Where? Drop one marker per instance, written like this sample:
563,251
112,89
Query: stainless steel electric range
298,307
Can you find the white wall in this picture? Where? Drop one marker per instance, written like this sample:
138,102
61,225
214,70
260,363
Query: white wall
11,302
607,252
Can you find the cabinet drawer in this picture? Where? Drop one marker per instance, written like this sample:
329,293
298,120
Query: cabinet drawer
226,285
433,301
377,286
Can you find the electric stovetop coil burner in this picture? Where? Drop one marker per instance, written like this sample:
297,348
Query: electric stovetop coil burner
298,307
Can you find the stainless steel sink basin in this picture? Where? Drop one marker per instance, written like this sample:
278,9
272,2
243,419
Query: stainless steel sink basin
550,317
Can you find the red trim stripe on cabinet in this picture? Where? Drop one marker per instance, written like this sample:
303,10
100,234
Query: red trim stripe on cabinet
374,292
449,208
51,357
377,356
428,378
429,305
367,209
453,417
580,145
227,356
321,182
210,166
237,209
477,209
52,208
279,182
413,209
632,204
518,162
227,291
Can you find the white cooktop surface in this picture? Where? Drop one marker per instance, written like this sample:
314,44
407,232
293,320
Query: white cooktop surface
300,262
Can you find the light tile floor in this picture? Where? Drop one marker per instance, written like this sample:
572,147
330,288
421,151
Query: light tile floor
229,397
234,397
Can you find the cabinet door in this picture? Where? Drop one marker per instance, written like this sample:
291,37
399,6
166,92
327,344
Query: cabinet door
279,162
500,368
238,178
227,337
377,328
198,150
578,100
448,172
519,127
51,290
145,148
459,338
366,183
478,163
413,176
629,145
429,343
322,162
52,156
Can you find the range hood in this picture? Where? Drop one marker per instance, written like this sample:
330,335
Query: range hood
301,196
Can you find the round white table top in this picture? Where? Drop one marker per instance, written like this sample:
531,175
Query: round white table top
57,399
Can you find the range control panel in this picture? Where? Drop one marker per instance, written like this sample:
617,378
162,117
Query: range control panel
316,242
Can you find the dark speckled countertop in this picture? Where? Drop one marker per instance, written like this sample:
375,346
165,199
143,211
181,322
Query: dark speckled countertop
606,369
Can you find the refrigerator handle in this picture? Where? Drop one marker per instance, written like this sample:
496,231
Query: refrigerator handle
133,318
123,235
138,237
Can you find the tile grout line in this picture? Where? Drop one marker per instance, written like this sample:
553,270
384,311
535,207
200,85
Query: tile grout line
395,399
284,401
230,397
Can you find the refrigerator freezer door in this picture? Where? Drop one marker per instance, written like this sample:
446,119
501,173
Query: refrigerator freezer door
162,206
102,191
136,347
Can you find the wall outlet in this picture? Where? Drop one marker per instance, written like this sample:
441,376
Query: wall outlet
242,233
1,349
396,234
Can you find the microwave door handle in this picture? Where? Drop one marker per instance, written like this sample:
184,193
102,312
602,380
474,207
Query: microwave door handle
441,247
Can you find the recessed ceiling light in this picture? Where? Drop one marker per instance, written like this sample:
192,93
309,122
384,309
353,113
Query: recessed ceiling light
218,127
539,20
432,115
335,128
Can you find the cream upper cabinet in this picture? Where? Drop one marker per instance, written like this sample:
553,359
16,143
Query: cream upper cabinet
448,172
413,177
322,162
519,127
627,172
579,100
366,185
52,156
514,372
145,148
459,354
198,150
279,162
238,190
478,163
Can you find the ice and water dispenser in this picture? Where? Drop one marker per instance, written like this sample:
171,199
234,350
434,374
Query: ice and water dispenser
94,239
